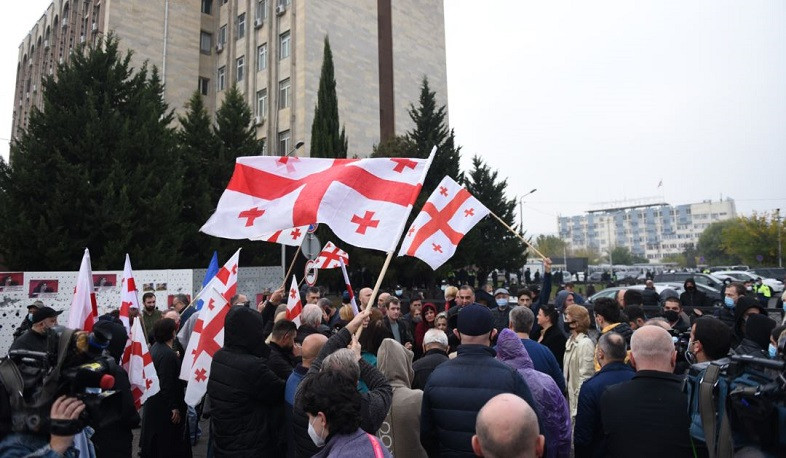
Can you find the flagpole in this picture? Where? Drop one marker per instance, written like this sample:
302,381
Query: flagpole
398,236
517,235
292,265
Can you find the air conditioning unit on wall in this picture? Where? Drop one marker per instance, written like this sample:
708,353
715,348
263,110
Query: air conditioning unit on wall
281,9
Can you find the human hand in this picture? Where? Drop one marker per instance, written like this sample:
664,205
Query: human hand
277,296
355,347
547,265
353,325
297,349
408,345
64,408
175,417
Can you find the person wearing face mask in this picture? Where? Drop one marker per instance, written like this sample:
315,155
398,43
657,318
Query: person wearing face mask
39,337
500,312
772,349
692,296
579,353
27,321
672,311
757,335
746,306
332,405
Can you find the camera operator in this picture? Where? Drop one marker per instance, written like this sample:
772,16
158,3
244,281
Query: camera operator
64,410
39,336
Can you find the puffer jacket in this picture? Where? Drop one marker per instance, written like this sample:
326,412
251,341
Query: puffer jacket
455,393
578,367
548,397
246,396
400,432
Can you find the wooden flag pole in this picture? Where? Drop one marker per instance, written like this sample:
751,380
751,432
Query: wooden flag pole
376,287
291,266
517,235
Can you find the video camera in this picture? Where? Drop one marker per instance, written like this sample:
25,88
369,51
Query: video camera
34,380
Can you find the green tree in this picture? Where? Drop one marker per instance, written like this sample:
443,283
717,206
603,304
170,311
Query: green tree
751,237
396,146
711,247
621,255
326,140
678,258
97,168
551,245
490,245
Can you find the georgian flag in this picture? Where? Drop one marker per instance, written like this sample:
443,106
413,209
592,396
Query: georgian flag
208,334
290,237
139,365
128,295
364,201
331,256
294,305
84,311
448,214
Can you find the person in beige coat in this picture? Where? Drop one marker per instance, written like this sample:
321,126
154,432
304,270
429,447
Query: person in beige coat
400,432
578,363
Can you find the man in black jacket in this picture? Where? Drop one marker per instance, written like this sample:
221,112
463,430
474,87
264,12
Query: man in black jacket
648,415
435,352
459,388
283,350
246,397
396,325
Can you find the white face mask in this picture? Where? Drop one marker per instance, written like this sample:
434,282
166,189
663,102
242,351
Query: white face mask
318,440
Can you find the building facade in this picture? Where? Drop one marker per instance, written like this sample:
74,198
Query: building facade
270,49
652,231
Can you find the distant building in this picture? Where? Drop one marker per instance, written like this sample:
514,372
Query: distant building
271,49
651,230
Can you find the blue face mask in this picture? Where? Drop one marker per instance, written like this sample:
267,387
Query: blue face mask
728,302
30,317
773,351
503,302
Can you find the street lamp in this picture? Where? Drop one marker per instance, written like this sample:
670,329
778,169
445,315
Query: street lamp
521,211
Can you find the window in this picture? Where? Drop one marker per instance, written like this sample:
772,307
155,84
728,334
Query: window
205,42
207,6
283,94
241,61
262,57
262,103
204,85
221,80
283,142
241,26
284,2
261,11
283,45
264,146
222,35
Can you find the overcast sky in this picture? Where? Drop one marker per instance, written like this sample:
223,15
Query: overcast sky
592,102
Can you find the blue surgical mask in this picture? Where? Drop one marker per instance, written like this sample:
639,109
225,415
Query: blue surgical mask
502,302
773,351
30,317
728,302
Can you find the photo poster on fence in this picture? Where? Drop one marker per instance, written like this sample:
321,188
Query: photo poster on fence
56,290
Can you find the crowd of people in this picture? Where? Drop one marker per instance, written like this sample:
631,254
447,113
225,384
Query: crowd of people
482,373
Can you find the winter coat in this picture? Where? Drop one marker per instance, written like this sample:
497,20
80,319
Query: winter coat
403,330
400,432
588,430
356,445
455,393
649,296
554,340
501,317
544,361
247,398
547,395
426,365
423,327
577,366
281,361
374,404
543,298
744,304
695,298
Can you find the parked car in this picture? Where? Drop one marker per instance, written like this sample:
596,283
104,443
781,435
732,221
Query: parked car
775,285
713,296
778,273
680,277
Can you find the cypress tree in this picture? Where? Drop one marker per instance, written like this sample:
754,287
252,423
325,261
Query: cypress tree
326,140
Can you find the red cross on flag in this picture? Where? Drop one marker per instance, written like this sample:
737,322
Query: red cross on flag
139,365
84,311
208,334
363,201
128,295
291,237
294,305
329,257
447,215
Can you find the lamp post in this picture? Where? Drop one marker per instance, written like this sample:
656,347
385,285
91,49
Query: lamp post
521,211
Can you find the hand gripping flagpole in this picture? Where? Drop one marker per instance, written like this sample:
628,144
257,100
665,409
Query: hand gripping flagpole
529,245
398,235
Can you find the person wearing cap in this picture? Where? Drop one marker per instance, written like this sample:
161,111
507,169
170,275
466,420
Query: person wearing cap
501,311
37,338
457,389
27,321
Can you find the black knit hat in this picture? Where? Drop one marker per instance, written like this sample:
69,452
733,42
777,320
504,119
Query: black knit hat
475,320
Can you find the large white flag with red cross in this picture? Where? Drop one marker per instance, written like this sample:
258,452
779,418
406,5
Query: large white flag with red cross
84,310
128,295
331,256
208,334
448,214
139,365
294,304
292,237
364,201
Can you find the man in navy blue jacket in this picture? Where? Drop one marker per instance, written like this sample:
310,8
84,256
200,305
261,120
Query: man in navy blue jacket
459,388
588,430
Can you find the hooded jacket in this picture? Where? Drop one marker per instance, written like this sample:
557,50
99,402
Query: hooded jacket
400,432
744,303
695,298
246,396
757,336
547,395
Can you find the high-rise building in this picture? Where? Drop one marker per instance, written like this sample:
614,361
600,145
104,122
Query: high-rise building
650,230
271,49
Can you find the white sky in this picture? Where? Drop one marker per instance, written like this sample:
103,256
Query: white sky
597,101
